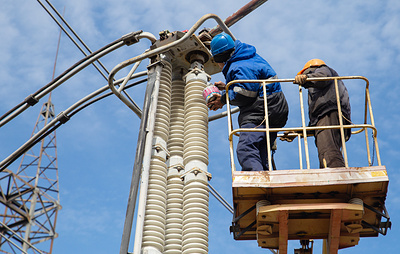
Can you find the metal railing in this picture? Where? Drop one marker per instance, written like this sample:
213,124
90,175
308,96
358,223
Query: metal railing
301,131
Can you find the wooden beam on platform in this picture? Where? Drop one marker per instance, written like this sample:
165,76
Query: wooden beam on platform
283,231
334,231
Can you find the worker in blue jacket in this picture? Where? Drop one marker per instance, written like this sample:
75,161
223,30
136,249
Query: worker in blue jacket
239,61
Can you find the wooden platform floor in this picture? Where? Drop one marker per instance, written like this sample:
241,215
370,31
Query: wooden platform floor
308,204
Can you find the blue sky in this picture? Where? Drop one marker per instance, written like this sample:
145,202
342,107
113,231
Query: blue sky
96,147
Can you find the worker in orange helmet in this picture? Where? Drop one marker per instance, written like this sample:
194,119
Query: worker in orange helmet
323,111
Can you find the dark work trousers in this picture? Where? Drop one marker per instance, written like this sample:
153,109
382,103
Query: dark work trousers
252,149
328,142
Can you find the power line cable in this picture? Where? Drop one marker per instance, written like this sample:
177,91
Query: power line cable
32,99
80,40
61,119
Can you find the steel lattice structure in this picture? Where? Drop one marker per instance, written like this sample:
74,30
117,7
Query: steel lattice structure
30,196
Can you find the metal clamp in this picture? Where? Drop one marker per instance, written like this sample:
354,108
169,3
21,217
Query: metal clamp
196,171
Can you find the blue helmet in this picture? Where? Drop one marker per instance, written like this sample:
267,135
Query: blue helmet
221,43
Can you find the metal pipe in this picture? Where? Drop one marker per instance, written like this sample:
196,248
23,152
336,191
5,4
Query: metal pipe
79,68
241,13
339,106
118,91
20,239
302,131
225,203
31,99
267,137
223,114
147,35
303,124
61,80
230,129
164,48
128,77
300,153
368,99
57,119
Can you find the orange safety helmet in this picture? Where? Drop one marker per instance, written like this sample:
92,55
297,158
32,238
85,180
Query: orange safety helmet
312,63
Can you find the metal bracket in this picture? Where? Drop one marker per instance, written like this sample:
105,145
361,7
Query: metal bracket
31,100
234,228
196,171
131,38
383,226
63,118
160,151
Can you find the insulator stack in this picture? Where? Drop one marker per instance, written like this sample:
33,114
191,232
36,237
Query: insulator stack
155,216
195,156
177,118
161,127
195,217
173,232
195,145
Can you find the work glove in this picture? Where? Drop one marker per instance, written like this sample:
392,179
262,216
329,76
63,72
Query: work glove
216,103
300,79
288,136
220,85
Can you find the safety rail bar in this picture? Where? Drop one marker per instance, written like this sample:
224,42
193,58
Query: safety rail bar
303,130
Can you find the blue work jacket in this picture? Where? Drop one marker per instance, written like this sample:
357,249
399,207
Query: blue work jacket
245,63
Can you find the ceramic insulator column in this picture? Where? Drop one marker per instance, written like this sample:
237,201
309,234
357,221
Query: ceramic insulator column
173,231
195,156
155,215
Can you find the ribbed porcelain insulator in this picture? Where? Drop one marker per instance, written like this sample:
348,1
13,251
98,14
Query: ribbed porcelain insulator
161,127
173,231
155,215
154,222
195,146
195,157
175,142
195,216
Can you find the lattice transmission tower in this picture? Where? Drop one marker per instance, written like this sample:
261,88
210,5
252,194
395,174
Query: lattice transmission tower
29,197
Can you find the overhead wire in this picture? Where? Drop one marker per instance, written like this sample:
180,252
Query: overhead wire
32,99
80,40
60,120
74,33
69,36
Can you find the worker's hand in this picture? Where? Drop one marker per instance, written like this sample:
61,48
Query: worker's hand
300,79
215,104
220,85
288,136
